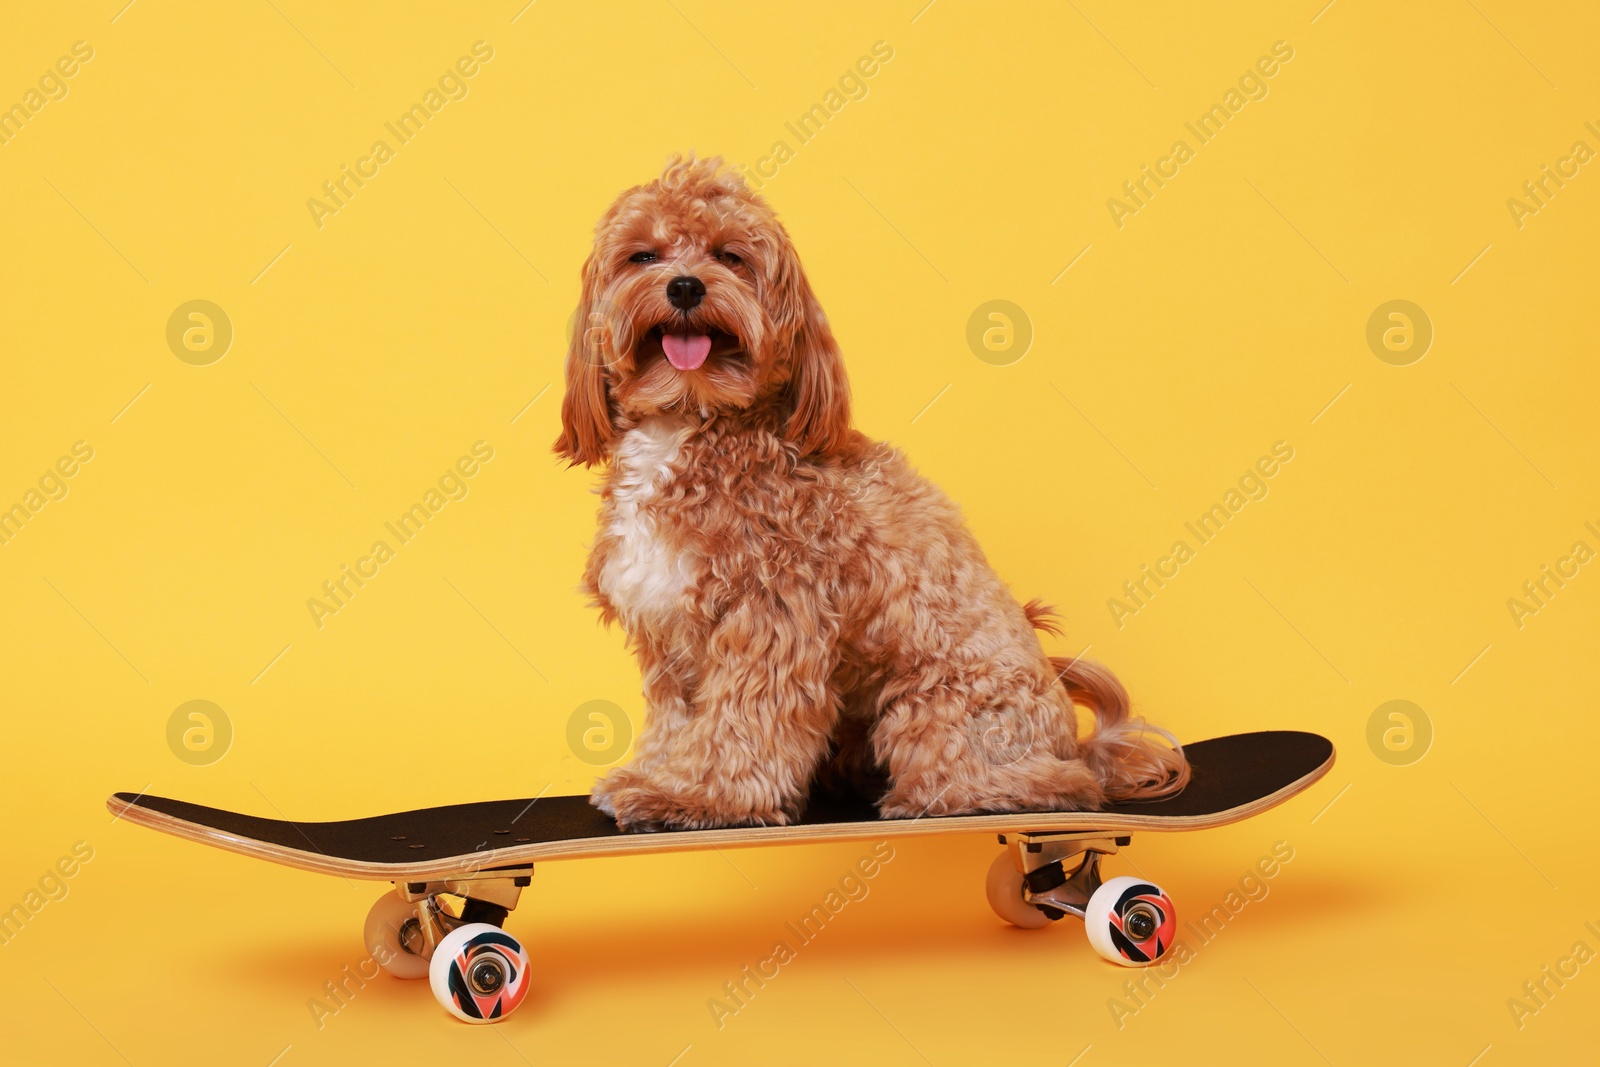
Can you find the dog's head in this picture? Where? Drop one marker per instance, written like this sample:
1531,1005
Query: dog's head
694,301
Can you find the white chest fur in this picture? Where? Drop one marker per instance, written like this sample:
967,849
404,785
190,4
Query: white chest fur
643,577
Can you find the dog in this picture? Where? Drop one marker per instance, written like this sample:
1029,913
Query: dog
804,606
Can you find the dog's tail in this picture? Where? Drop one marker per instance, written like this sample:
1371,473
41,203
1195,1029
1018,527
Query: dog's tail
1132,759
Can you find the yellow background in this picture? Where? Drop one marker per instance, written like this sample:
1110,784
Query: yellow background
426,315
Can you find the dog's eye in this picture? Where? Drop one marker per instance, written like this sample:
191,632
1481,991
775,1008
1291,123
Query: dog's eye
642,257
730,259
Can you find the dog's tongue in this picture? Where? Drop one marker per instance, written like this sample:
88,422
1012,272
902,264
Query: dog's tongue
686,352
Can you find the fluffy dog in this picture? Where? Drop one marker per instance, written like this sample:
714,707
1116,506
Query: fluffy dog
801,601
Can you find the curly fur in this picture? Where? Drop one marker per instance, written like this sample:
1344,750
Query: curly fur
804,606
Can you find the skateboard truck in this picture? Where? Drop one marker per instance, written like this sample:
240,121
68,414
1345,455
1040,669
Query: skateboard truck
1044,876
488,897
477,970
1043,860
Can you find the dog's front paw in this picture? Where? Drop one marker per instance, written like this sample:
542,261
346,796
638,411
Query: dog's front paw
602,795
641,803
628,796
604,802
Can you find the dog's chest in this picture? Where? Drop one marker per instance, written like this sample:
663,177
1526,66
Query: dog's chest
644,576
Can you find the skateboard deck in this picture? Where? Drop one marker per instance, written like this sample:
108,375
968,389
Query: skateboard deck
1233,778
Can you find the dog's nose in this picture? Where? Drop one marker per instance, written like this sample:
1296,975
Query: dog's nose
685,292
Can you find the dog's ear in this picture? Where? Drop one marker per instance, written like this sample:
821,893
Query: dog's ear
586,427
818,392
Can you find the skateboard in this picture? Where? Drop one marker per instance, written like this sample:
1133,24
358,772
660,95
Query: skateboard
459,870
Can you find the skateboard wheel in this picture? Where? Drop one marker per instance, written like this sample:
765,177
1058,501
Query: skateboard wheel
393,937
479,973
1003,887
1131,921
